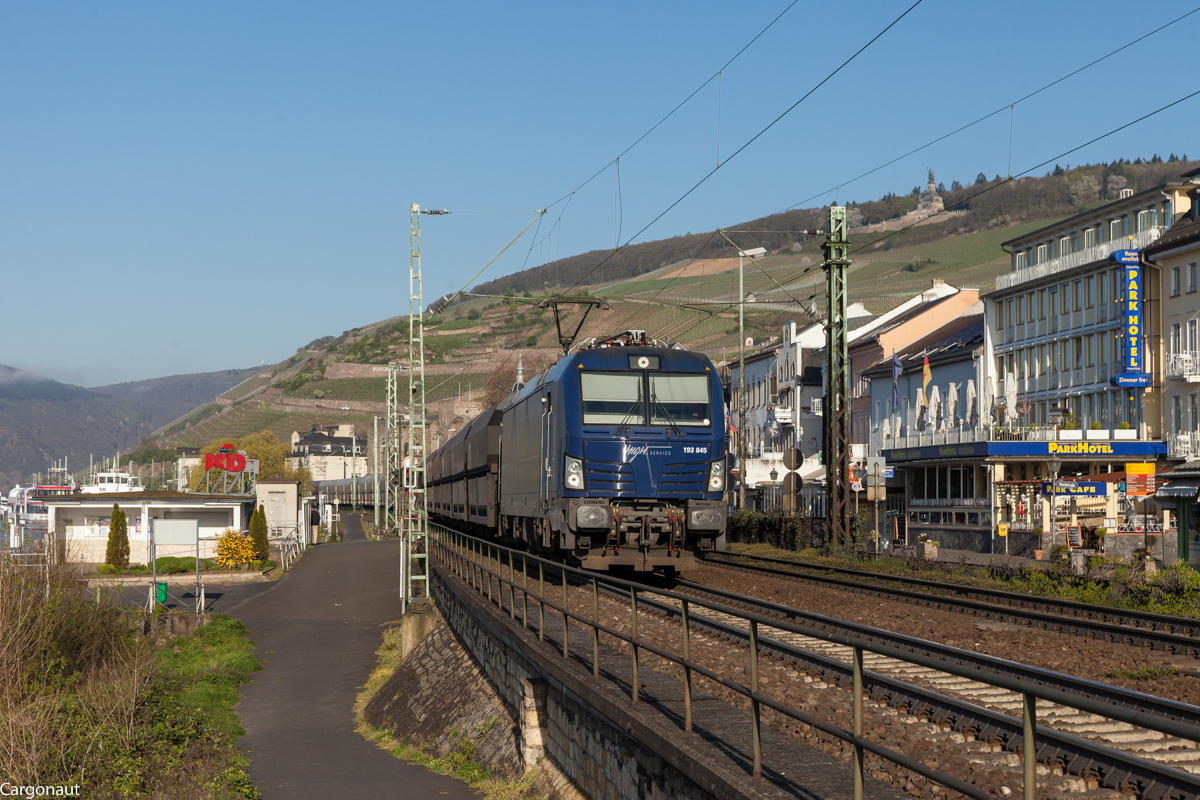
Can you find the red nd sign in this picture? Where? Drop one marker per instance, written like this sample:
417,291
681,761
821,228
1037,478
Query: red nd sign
230,462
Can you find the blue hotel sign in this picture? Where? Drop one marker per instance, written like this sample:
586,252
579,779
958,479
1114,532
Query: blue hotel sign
1135,375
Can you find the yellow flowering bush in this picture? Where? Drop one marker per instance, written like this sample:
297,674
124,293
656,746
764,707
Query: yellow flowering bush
234,548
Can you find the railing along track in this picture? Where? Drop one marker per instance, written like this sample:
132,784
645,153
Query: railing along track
471,560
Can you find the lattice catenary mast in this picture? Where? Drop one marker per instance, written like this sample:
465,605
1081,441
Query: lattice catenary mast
837,380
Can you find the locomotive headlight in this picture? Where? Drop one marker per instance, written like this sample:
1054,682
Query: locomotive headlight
704,519
573,477
591,517
716,476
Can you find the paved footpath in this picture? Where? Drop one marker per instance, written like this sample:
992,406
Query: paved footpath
317,630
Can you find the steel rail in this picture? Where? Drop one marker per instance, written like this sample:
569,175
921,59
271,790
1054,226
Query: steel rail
1079,756
1136,708
1115,769
1131,632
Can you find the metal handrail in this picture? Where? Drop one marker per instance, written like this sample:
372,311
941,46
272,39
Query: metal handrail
290,547
472,572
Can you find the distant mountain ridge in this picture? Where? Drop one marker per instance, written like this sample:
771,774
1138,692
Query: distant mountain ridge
42,420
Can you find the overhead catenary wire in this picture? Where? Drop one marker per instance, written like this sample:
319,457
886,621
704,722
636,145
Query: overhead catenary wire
751,140
1004,181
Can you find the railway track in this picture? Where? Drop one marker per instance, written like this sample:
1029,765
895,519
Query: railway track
1080,752
1176,635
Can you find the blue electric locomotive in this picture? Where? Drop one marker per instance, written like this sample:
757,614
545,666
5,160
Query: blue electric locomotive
614,457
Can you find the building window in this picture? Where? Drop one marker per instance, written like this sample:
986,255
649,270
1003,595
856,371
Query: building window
1090,342
1177,337
1102,346
1176,413
1191,336
1022,260
1008,312
1050,356
1089,237
1043,253
1114,230
1021,310
1043,364
1145,220
1193,412
1191,279
1053,301
1091,291
1009,371
1079,295
1078,360
1042,304
999,315
1176,289
1103,292
1065,298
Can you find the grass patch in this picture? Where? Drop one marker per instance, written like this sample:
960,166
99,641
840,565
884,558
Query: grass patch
174,565
1142,673
206,669
459,763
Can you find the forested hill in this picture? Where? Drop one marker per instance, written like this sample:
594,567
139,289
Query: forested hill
1059,193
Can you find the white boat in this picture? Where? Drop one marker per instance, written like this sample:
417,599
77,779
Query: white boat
111,481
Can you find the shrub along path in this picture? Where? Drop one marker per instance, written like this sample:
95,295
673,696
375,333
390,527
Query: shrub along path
316,631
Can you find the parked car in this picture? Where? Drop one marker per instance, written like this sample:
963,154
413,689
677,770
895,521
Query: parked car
345,408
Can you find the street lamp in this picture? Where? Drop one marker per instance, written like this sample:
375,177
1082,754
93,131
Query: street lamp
774,487
1054,465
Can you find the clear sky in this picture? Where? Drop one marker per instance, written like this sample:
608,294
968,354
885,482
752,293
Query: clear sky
188,187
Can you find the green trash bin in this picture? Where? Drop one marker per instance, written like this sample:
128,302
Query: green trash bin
160,592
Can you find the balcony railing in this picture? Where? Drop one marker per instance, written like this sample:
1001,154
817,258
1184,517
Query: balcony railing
994,433
1183,445
783,415
1079,258
1184,365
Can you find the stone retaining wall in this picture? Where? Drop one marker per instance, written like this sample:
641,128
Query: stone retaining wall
607,747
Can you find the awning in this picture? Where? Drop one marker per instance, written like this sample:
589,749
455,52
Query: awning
1178,490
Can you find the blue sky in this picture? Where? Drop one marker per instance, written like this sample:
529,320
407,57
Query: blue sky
191,187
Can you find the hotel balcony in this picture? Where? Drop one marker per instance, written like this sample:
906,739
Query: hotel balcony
989,433
1184,365
784,416
1079,258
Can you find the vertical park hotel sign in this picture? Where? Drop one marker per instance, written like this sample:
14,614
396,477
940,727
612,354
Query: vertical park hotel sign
1134,374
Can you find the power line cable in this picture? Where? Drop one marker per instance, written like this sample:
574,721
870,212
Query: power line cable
749,142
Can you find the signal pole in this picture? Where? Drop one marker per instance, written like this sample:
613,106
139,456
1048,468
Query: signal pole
837,379
375,469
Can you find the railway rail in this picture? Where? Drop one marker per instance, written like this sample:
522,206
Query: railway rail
932,682
1177,635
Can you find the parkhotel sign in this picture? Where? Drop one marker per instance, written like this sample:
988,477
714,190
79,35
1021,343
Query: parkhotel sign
978,450
1135,375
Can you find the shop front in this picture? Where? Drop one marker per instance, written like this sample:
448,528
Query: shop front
1019,497
1182,494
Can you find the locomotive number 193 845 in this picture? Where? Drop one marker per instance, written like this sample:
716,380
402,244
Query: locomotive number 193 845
695,449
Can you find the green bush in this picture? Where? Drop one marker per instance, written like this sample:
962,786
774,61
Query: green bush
117,551
179,565
1095,426
258,534
1124,426
106,569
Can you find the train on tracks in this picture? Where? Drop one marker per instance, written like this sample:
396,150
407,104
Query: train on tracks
613,458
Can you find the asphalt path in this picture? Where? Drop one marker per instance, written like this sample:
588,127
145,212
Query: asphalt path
317,630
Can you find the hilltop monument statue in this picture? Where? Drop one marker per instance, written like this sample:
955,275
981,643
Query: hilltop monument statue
930,201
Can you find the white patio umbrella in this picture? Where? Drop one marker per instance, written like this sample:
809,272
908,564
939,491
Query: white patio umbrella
885,428
1010,398
935,408
972,409
952,405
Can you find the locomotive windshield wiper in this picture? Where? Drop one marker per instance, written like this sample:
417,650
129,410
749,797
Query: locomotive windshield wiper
632,409
660,407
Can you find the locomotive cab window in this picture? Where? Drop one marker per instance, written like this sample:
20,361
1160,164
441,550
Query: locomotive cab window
682,399
612,398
